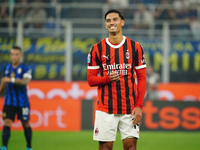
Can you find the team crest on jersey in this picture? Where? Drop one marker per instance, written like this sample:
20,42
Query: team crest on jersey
96,132
19,70
88,58
127,55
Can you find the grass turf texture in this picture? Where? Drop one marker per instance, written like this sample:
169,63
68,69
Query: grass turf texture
83,141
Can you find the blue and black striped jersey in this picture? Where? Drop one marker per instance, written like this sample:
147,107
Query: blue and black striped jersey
16,95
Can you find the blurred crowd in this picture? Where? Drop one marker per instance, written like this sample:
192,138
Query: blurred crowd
147,14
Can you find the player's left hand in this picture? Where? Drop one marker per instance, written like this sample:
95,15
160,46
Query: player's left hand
6,79
137,113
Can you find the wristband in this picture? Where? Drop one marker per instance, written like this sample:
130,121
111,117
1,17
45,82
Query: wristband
13,80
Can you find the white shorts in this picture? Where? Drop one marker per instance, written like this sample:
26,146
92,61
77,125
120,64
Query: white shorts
106,125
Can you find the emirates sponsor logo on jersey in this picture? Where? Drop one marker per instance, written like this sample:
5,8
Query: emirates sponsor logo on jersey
117,66
121,69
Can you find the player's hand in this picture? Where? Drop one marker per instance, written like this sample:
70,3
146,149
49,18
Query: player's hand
114,77
5,79
2,85
137,113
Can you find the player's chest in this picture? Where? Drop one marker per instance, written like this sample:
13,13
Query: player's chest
117,56
14,72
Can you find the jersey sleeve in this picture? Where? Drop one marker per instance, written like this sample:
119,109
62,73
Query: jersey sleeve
141,87
93,59
27,72
6,70
140,61
93,67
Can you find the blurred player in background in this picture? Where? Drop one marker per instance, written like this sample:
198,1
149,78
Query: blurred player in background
15,79
153,78
112,64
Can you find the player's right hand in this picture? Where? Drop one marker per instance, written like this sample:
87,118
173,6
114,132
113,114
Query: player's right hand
3,80
114,77
6,79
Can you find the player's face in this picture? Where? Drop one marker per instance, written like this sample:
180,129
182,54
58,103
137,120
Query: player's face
15,55
114,23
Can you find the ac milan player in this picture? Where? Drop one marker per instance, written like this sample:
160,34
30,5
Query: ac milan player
115,64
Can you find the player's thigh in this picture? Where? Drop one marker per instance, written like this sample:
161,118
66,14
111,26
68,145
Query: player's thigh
9,112
130,144
105,128
23,113
127,129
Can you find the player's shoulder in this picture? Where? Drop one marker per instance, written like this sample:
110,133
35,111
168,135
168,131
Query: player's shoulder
6,69
133,41
26,67
7,66
136,44
23,65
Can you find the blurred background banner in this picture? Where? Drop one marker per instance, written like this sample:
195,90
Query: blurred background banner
179,91
46,57
171,116
62,106
51,115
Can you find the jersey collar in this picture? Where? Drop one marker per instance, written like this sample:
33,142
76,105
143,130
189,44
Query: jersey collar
116,46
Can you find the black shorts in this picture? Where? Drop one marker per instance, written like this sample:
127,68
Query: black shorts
23,113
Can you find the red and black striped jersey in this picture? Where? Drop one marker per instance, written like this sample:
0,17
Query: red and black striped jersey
117,97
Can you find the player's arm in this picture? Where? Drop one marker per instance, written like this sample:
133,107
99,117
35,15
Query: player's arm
140,66
141,75
141,89
26,77
23,81
2,85
93,67
94,80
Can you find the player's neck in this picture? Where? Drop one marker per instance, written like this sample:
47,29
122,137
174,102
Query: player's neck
115,38
15,65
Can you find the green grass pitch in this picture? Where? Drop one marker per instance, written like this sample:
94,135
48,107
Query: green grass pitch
83,141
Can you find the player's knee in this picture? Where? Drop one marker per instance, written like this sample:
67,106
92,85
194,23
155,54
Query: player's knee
130,144
26,124
8,122
105,146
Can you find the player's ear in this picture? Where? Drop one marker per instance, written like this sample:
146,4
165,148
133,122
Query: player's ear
122,23
21,54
